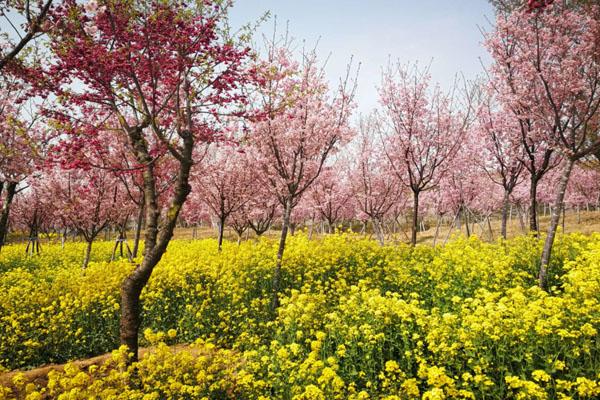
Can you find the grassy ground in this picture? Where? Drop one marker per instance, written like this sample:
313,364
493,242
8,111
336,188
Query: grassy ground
584,222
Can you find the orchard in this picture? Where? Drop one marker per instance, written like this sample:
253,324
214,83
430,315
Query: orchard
192,209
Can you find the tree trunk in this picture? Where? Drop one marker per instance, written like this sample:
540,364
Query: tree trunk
221,231
156,238
10,194
88,252
415,218
554,220
454,224
138,230
277,272
437,230
378,230
533,222
466,216
505,205
521,220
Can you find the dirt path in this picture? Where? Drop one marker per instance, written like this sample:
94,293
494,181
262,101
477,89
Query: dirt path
39,376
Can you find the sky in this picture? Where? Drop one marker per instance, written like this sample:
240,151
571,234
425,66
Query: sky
443,33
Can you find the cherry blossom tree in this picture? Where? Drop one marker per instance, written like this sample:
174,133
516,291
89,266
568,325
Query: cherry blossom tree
330,195
168,73
422,127
584,187
87,200
375,189
507,6
239,222
21,146
501,151
302,126
556,62
462,186
261,211
224,184
539,156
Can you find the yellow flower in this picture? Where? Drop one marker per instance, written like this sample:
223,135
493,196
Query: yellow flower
540,376
391,366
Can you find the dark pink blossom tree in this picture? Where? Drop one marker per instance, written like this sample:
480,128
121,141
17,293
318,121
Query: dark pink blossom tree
168,73
23,22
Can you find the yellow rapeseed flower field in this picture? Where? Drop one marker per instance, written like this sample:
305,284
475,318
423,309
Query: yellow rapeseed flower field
357,321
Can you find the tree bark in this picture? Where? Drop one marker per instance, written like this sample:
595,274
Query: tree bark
533,221
378,229
505,205
138,230
11,189
88,252
220,234
437,230
466,216
331,227
554,220
489,224
277,272
415,219
156,238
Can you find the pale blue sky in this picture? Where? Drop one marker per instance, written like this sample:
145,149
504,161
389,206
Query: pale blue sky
443,32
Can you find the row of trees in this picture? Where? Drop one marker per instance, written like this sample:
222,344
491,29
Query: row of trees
154,112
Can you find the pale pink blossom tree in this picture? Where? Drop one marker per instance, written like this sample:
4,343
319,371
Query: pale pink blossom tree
555,60
331,194
501,152
87,200
539,156
423,128
224,183
375,189
303,124
22,145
